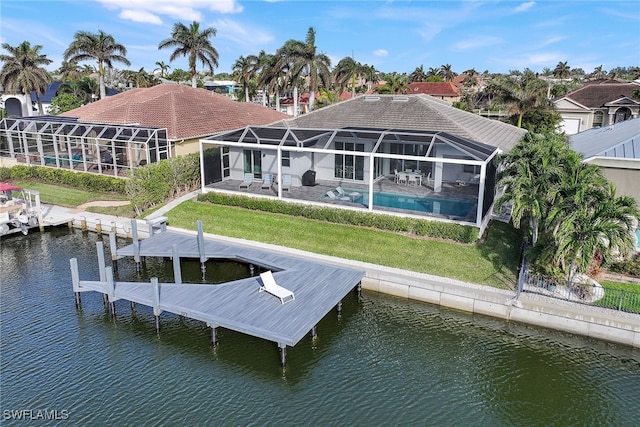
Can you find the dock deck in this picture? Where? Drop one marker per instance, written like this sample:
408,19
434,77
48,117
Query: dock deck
237,305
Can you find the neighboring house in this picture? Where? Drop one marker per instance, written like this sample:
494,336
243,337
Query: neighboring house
288,107
187,113
16,105
598,103
223,87
407,154
124,131
616,149
446,91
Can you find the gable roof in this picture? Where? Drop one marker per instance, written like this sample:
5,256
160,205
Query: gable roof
598,94
411,112
186,112
621,140
434,88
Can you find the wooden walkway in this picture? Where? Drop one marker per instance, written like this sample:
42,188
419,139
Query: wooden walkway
237,305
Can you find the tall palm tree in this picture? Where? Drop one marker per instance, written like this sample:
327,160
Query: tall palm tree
162,67
371,75
562,71
243,73
23,70
447,73
101,47
194,44
304,59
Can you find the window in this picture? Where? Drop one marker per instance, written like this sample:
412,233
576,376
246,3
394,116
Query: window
286,158
474,169
598,119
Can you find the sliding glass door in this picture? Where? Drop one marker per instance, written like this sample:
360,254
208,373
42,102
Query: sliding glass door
253,162
349,166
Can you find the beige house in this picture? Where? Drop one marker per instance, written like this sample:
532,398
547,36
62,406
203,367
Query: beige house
599,103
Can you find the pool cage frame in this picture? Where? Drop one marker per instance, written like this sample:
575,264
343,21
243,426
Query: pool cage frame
66,143
376,153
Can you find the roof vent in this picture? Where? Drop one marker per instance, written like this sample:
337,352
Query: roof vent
400,99
371,98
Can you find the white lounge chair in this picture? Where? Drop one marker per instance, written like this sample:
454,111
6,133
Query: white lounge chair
268,182
352,195
286,182
248,180
333,196
269,285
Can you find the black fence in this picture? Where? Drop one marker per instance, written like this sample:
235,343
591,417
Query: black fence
581,292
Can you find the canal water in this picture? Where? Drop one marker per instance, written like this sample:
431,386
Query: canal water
384,361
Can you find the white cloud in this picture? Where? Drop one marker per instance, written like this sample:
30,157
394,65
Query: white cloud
524,7
380,52
477,42
551,40
140,16
150,11
248,36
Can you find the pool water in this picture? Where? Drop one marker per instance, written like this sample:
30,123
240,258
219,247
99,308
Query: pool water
435,205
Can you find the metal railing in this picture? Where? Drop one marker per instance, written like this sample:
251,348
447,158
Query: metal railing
583,293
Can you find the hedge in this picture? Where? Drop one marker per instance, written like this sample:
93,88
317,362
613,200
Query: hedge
418,227
87,181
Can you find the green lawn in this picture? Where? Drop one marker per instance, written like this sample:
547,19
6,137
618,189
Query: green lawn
492,263
66,196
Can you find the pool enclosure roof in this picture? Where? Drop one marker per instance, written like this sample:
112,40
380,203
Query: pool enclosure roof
322,139
70,126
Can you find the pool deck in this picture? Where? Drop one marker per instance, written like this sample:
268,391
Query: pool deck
239,305
316,193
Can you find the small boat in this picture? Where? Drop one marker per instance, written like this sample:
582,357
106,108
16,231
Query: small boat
19,209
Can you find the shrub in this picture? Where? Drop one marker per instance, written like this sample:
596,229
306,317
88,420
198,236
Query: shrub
419,227
85,181
630,267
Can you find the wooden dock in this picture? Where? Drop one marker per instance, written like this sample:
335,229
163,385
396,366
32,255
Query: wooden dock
237,305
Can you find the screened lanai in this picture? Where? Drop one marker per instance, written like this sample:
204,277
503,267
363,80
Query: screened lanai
65,143
421,173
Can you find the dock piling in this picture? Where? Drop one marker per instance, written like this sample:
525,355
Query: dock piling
214,337
136,244
75,280
314,332
156,301
283,354
177,272
201,249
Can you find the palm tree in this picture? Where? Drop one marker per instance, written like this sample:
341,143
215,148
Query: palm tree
162,67
521,94
304,59
101,47
345,74
395,83
562,71
418,75
23,70
194,44
243,73
529,177
447,73
69,71
371,75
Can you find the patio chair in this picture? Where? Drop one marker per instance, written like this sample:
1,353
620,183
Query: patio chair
334,196
286,182
248,180
402,178
268,182
269,285
352,195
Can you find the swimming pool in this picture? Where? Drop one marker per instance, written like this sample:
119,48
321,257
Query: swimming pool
427,204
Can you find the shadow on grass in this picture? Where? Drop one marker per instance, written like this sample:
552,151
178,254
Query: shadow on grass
502,247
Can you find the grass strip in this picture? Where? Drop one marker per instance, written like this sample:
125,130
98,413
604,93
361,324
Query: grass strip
66,196
620,296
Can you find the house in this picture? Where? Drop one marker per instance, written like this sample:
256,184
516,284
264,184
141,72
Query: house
398,154
616,149
598,103
446,91
19,105
138,126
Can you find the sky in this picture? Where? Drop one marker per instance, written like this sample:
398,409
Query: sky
392,35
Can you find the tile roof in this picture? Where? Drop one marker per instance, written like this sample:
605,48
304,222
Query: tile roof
411,112
186,112
434,88
596,95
